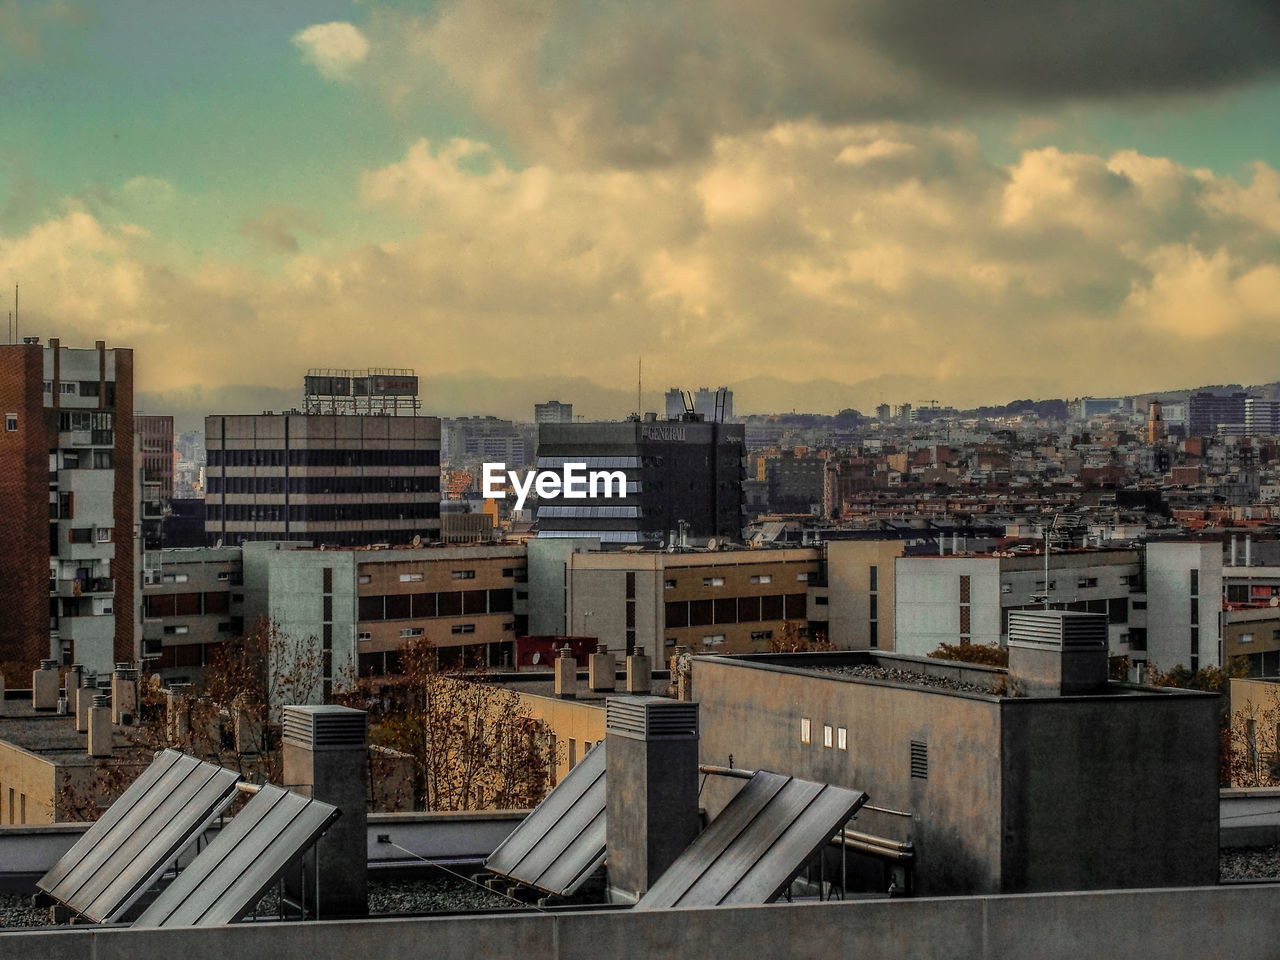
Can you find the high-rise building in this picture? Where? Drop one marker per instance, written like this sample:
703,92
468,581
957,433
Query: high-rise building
156,462
1207,411
66,505
1155,422
1261,417
680,475
345,479
553,411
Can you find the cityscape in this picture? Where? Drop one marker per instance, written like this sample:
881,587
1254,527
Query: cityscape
552,482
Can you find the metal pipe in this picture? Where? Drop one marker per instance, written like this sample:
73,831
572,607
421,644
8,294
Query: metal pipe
248,787
902,846
894,813
734,772
884,853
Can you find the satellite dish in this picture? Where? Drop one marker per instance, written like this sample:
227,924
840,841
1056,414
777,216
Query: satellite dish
1275,601
661,544
671,548
712,544
417,539
537,658
218,544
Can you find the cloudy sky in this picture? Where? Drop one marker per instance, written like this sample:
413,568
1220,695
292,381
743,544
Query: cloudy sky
823,203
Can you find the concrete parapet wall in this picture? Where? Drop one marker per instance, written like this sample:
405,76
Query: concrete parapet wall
1237,922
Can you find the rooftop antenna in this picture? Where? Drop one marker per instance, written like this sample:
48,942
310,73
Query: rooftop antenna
639,381
15,313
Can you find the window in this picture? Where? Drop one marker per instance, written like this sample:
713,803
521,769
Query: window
462,628
508,571
761,634
364,636
669,585
363,578
10,422
1139,604
713,581
177,629
1006,588
88,388
762,578
1246,638
806,730
821,601
103,534
464,574
224,575
1195,582
842,738
410,578
1087,582
411,631
827,735
1053,584
875,578
802,577
713,641
65,387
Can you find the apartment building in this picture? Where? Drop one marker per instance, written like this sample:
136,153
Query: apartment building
67,500
360,606
342,479
192,600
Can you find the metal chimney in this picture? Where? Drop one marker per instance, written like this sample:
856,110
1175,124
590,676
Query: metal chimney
124,694
651,788
639,672
84,695
325,757
101,729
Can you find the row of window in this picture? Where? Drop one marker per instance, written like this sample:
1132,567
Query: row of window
316,486
185,604
699,613
591,513
837,737
596,463
319,512
417,606
323,458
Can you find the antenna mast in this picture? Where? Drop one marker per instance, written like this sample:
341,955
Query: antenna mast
639,382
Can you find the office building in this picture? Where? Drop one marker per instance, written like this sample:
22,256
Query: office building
67,500
1261,417
553,411
716,405
343,479
1207,411
683,478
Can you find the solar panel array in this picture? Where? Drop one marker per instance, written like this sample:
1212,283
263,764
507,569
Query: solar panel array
756,846
139,836
562,842
270,835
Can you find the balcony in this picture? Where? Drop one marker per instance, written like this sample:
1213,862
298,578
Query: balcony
82,588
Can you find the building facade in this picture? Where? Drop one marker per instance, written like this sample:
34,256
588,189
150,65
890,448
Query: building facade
67,499
348,480
682,479
553,411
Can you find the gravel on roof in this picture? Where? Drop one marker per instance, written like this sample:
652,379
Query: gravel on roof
866,671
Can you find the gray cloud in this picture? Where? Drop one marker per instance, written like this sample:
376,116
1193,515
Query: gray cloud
634,84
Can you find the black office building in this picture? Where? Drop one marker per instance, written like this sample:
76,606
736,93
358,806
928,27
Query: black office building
677,471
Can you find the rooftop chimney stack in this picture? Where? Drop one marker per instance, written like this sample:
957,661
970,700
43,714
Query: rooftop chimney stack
639,672
651,788
325,757
84,695
101,729
602,670
177,716
124,694
566,682
1058,652
44,686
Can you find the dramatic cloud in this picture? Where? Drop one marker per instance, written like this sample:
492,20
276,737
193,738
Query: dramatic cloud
333,48
630,84
880,256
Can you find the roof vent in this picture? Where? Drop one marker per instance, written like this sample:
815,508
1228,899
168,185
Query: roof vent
651,718
326,727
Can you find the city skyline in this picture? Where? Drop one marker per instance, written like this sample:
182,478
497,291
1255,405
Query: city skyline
840,205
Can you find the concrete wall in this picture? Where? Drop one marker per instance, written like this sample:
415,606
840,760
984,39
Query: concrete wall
1236,921
927,601
1111,791
754,714
576,725
1169,620
546,561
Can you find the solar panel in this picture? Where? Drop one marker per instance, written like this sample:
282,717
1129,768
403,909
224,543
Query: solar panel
760,841
562,842
270,835
140,835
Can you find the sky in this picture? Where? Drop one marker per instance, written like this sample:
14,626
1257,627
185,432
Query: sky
822,204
